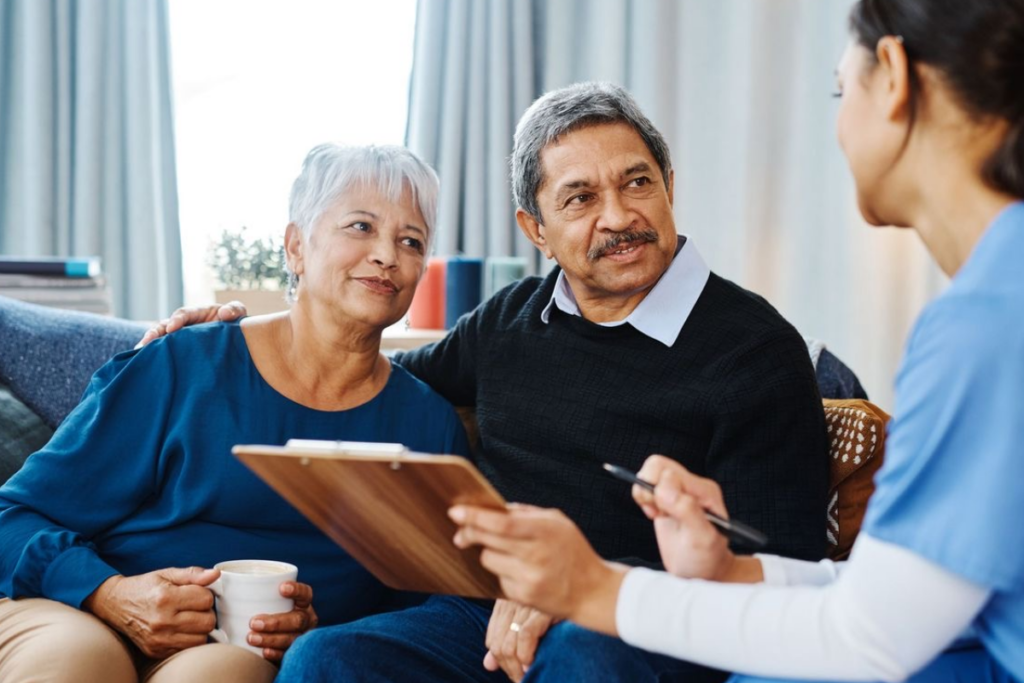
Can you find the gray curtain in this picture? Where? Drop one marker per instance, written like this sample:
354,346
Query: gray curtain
740,89
473,76
86,143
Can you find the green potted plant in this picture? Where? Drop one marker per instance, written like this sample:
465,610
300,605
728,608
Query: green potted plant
249,269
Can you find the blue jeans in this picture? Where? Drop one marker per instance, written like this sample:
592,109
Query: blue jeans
442,641
970,665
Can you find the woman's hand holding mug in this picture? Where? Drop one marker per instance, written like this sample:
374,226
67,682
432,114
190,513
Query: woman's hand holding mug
161,612
261,607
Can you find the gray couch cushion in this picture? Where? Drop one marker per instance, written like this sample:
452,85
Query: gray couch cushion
47,355
22,433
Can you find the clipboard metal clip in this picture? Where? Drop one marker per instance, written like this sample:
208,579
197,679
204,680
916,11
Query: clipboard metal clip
367,448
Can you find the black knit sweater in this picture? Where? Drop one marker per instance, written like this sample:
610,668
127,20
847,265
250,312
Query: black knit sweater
734,399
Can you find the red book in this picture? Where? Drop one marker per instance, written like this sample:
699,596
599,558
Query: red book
427,310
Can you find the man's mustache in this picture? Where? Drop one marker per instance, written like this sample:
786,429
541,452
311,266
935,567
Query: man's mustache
643,236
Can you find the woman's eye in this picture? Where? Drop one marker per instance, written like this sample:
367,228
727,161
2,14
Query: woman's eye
361,226
579,199
414,243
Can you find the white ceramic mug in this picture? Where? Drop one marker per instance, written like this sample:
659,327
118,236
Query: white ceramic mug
247,588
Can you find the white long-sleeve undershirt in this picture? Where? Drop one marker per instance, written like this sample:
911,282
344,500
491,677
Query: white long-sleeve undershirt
886,615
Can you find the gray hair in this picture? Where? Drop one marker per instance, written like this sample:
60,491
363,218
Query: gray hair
330,170
568,109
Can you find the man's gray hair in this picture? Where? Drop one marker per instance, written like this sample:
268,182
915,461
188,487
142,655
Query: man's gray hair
563,111
330,170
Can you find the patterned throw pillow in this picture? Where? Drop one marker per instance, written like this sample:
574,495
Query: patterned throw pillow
22,433
856,430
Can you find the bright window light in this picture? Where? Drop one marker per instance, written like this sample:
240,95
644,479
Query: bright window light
257,83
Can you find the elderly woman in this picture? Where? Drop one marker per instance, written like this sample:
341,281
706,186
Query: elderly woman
139,480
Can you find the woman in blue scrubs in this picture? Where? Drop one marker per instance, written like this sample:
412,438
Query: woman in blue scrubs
932,123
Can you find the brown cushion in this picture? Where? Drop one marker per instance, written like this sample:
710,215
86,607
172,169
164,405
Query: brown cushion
856,430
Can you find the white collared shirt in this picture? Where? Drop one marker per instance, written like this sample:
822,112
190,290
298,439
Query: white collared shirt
663,312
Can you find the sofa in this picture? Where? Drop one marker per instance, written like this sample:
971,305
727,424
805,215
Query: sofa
47,357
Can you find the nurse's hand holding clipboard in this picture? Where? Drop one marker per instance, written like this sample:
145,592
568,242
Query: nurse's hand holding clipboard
543,560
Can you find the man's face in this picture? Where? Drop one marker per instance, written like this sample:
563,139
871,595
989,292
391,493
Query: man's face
607,215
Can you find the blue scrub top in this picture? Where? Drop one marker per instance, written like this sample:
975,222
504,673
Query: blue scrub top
952,486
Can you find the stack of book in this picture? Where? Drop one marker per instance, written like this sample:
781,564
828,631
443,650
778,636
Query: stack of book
75,284
454,285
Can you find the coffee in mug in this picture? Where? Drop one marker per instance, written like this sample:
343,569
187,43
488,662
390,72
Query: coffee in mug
258,567
247,588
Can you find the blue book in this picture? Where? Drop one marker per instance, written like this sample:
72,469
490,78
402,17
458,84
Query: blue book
67,267
464,279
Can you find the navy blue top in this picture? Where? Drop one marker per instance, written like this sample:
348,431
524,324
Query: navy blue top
140,475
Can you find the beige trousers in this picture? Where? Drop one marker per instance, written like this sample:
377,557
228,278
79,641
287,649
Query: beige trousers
46,641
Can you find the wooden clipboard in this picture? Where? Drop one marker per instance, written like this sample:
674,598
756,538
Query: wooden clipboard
387,507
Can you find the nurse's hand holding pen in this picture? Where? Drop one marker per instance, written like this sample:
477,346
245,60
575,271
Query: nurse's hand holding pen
690,546
543,560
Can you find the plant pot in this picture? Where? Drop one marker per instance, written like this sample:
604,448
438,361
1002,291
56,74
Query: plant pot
257,301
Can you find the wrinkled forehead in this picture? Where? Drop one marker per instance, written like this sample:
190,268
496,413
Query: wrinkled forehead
594,153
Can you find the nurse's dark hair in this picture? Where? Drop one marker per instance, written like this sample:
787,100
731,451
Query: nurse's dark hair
978,47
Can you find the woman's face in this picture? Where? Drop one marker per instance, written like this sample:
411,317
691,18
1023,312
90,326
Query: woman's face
870,138
363,258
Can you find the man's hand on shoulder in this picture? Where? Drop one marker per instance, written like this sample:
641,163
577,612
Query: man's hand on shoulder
513,635
194,315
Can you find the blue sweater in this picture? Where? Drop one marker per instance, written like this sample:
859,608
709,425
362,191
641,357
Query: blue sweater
140,475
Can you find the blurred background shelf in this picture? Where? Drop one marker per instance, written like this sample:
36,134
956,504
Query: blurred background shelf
398,338
86,294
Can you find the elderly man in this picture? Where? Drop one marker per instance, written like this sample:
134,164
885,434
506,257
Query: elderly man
631,346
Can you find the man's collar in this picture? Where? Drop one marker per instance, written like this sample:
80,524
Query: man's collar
663,312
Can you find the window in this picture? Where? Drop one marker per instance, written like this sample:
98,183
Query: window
260,82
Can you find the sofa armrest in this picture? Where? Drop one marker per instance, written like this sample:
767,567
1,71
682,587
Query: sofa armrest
48,355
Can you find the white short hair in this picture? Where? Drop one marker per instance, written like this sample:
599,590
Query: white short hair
330,170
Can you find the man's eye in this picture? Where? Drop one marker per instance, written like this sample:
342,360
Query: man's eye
579,199
640,182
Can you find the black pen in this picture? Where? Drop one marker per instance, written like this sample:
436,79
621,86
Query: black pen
730,528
